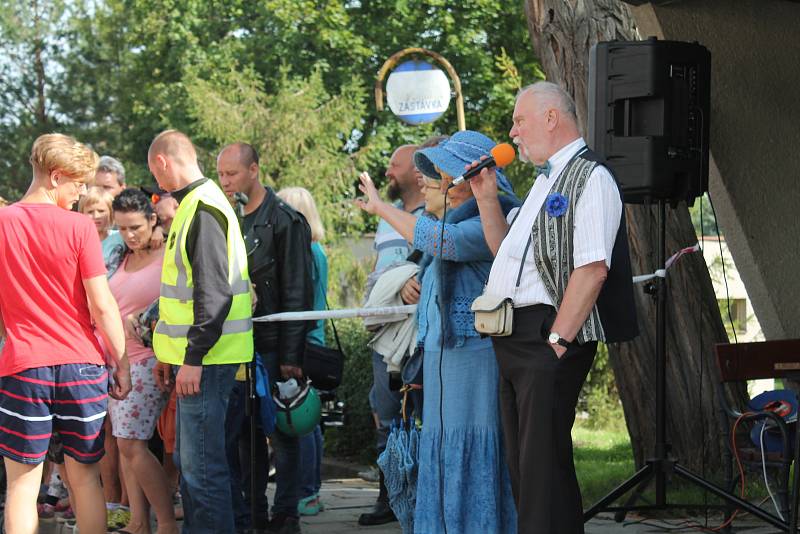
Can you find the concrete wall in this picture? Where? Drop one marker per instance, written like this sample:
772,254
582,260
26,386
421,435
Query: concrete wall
755,138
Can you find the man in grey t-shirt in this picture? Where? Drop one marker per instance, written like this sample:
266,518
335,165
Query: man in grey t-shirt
390,247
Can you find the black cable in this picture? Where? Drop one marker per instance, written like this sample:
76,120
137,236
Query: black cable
724,278
724,275
651,256
665,525
441,358
702,369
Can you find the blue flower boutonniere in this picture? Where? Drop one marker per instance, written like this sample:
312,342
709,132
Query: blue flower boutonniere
556,204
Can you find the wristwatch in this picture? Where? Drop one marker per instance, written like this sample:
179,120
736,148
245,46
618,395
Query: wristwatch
555,339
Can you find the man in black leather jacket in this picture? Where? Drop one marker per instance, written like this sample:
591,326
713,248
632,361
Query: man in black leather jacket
278,242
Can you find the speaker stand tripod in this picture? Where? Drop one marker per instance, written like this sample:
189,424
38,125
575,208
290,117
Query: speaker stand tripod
250,412
661,467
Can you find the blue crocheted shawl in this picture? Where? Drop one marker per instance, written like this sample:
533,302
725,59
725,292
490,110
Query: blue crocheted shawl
465,267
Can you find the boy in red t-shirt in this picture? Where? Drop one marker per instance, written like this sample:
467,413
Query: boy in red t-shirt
52,373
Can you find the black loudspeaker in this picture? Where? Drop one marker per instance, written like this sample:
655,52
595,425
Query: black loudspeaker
649,117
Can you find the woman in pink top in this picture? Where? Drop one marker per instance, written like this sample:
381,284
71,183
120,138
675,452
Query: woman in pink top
136,285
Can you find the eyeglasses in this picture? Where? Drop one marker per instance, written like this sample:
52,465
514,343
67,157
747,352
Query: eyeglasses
431,183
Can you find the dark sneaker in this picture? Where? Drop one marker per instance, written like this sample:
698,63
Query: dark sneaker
284,524
380,515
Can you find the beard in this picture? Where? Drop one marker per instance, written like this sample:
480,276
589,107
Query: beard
523,152
393,191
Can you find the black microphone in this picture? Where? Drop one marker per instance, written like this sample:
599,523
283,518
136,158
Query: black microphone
502,155
241,201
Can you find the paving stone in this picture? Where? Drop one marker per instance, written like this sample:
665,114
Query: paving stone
347,498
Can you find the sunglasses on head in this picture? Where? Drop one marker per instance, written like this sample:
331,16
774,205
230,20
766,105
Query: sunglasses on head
155,198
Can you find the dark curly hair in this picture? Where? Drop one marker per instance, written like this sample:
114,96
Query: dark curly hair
133,201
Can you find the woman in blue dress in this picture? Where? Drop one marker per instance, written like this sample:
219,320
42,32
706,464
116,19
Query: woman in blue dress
463,483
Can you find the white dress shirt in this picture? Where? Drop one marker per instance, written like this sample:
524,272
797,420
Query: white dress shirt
597,218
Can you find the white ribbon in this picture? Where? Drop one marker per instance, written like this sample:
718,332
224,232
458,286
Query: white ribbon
662,273
315,315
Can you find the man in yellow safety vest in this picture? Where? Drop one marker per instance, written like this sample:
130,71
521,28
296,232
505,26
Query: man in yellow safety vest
205,327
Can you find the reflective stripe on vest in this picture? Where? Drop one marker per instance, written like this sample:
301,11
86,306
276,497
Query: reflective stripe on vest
181,330
176,301
185,293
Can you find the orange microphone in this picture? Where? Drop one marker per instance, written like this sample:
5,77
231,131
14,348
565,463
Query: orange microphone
502,155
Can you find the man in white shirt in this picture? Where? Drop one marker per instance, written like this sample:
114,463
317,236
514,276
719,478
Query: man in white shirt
565,263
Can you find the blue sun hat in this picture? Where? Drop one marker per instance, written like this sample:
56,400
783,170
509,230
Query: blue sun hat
462,148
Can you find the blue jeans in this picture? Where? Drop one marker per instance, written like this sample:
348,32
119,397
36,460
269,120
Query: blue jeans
383,401
311,460
199,453
287,455
237,446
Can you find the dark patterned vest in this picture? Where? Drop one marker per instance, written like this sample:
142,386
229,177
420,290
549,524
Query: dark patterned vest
613,318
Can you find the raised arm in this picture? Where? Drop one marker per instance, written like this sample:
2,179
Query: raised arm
400,220
495,226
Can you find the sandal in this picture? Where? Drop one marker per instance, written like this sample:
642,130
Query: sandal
310,505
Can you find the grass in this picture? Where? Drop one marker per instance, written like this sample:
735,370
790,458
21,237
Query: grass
604,459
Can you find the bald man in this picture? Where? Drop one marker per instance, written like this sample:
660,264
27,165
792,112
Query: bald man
390,247
204,330
278,241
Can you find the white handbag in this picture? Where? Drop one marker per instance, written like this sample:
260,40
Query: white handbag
494,316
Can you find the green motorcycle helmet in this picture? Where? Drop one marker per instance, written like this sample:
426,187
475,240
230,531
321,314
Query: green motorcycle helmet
298,415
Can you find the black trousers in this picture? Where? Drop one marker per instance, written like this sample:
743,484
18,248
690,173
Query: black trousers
538,394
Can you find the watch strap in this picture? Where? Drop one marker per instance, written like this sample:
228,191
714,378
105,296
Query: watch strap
560,341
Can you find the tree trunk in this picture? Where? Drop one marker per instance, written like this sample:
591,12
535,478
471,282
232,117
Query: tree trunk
563,32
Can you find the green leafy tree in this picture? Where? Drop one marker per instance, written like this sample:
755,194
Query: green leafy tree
128,63
30,55
301,131
474,36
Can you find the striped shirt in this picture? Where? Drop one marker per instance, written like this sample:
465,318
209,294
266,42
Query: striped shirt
597,218
390,246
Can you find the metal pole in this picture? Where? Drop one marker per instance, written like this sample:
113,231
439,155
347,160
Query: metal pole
661,364
391,63
250,412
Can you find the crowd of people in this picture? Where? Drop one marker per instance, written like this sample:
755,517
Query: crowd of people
129,345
